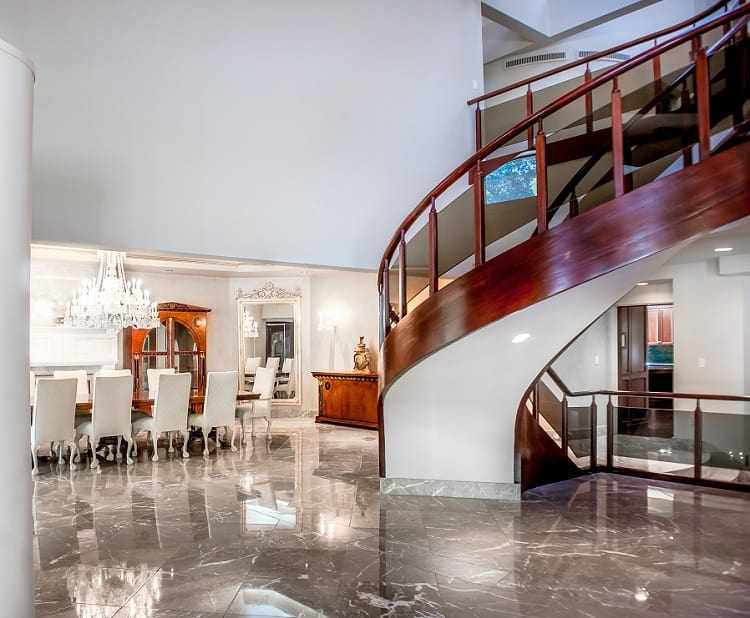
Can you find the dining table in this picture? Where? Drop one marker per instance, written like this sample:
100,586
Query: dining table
143,400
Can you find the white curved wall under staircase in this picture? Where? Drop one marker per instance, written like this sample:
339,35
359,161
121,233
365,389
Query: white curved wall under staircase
449,421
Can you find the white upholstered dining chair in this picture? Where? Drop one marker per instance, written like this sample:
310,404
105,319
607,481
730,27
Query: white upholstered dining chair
110,414
265,379
52,420
82,391
152,378
286,381
170,412
218,407
251,366
109,373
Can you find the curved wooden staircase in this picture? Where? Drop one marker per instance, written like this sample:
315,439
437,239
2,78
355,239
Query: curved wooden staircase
628,187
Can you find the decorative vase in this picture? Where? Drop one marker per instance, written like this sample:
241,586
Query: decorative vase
362,358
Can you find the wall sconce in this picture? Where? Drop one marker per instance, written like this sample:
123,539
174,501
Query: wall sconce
326,321
249,326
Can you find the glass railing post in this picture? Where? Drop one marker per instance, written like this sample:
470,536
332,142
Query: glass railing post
592,458
698,439
610,432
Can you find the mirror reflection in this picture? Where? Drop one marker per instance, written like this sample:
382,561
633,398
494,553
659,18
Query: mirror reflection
269,337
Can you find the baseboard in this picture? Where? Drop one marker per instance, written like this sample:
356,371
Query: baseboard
451,489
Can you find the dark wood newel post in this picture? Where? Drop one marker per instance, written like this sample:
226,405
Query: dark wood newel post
573,205
592,457
698,439
610,432
541,180
478,216
433,229
402,275
478,127
529,111
618,166
385,295
702,99
657,75
564,429
589,101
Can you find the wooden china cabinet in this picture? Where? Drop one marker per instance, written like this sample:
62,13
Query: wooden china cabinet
179,342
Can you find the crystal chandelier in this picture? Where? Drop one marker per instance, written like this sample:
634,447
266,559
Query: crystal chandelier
111,301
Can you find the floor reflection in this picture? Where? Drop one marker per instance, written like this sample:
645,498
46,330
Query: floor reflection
296,526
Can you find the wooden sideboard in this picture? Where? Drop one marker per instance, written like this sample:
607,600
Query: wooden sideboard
347,398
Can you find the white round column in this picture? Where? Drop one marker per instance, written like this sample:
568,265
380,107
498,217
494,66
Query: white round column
16,102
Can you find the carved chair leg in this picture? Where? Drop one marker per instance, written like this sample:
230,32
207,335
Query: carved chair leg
185,437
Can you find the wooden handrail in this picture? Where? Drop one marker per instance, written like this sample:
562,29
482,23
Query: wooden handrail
530,121
653,394
607,52
698,413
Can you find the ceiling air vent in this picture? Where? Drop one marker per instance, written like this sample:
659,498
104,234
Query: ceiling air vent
522,60
616,57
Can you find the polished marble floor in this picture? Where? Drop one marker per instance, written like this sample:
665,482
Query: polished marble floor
296,526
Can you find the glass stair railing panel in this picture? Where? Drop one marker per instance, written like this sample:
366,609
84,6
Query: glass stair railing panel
510,204
579,433
455,237
417,264
654,440
726,444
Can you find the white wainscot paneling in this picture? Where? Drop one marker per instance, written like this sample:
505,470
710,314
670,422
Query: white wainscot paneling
57,347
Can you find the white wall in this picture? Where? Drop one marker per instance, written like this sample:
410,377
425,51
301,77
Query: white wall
294,131
587,363
351,299
16,97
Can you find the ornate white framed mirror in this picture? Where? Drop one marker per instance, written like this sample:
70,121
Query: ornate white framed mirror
268,321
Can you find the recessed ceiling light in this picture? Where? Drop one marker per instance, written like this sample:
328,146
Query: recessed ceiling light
169,270
520,337
722,249
304,272
642,283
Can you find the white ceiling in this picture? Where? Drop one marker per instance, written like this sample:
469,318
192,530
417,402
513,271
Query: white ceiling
178,264
510,27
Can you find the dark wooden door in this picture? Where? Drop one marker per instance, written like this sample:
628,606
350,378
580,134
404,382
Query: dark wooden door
632,373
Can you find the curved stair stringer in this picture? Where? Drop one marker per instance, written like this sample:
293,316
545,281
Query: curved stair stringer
447,403
451,417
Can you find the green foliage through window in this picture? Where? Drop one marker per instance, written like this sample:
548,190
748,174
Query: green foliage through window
512,181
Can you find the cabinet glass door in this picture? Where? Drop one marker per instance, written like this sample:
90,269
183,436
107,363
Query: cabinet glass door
154,352
185,351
